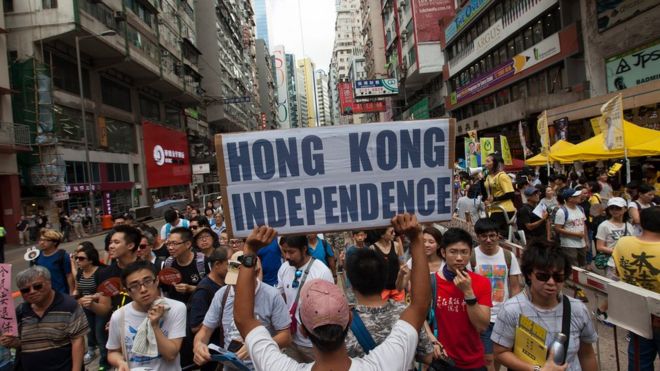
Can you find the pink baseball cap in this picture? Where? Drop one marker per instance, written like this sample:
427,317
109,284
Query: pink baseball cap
323,303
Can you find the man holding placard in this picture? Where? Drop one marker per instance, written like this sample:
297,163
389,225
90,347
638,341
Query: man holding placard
52,325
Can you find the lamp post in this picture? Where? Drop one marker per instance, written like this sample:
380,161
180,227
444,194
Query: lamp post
88,165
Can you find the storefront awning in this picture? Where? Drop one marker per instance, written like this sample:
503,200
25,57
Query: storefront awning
541,160
592,149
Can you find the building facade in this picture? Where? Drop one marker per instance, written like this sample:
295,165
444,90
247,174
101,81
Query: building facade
267,94
323,98
306,68
139,66
261,19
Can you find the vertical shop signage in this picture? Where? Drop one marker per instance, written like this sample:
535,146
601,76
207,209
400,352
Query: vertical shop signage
107,203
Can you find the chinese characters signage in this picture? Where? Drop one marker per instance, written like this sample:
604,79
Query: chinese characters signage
166,156
349,106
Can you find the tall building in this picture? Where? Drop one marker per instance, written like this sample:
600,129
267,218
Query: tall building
229,64
374,48
139,75
323,99
267,95
306,68
347,45
298,116
301,98
261,19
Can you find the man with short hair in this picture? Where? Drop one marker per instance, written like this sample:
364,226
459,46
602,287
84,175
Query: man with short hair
172,220
367,272
167,318
270,309
145,248
637,260
501,268
219,225
196,223
571,225
51,325
462,302
325,316
533,225
299,268
56,260
122,251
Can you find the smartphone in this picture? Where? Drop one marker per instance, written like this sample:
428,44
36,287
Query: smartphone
234,346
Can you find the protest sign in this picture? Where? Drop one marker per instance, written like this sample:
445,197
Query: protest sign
7,312
110,287
169,276
336,178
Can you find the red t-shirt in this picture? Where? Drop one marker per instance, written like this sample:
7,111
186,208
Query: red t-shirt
455,332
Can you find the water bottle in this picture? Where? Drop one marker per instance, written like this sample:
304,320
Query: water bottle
557,348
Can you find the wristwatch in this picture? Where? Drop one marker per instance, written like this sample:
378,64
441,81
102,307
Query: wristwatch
248,261
537,368
470,301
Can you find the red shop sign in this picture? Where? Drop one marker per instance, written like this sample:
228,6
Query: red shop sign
166,156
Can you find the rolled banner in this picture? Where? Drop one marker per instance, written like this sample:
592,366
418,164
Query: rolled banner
169,276
110,287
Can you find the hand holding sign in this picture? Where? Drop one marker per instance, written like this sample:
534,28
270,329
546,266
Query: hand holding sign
110,287
407,224
261,236
169,276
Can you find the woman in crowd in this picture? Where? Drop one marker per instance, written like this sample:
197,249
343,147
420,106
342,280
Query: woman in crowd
87,280
383,242
500,193
206,241
645,196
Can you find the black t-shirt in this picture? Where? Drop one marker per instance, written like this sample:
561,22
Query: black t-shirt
110,271
162,252
525,216
189,275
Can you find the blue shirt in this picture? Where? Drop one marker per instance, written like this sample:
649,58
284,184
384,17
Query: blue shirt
320,251
271,260
59,265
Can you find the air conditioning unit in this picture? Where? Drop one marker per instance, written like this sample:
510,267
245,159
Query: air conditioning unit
120,16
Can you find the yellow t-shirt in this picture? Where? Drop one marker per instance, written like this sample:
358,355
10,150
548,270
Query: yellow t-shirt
498,185
638,262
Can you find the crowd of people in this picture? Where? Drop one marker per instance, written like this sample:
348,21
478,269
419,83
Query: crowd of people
409,296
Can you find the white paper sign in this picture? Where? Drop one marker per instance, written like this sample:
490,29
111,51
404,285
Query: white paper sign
336,178
539,210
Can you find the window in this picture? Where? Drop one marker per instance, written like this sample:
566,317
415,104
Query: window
8,5
519,45
529,41
519,91
49,4
70,125
76,172
65,75
118,173
554,80
149,109
121,136
511,49
173,117
551,23
115,94
503,97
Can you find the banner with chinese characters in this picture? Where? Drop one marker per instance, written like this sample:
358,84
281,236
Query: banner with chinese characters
544,134
611,123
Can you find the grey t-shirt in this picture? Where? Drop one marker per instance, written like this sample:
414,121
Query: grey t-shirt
610,233
573,222
582,329
473,206
269,308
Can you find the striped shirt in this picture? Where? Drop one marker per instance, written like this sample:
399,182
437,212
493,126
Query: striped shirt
46,340
86,286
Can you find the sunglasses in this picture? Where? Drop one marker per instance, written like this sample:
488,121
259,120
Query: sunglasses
545,276
296,279
143,246
194,227
81,258
35,287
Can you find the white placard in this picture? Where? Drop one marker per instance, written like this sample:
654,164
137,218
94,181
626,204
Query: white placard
337,178
201,168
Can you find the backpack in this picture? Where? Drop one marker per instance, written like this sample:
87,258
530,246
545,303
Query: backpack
327,250
199,264
507,258
555,235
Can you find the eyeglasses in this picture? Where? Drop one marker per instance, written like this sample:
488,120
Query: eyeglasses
194,227
142,246
147,283
174,243
235,242
296,279
81,258
486,236
35,287
545,276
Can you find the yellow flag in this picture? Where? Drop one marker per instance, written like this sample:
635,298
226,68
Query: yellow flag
487,147
506,151
595,124
542,127
611,123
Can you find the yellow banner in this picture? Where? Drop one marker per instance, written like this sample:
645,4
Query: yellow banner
529,342
487,147
506,151
472,149
544,134
611,123
595,124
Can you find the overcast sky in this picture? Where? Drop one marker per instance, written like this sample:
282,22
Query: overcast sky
318,28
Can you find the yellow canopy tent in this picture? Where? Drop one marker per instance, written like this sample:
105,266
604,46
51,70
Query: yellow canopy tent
651,148
540,159
592,149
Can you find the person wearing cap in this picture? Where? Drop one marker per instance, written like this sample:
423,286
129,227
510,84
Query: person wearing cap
533,225
269,307
299,268
325,315
571,226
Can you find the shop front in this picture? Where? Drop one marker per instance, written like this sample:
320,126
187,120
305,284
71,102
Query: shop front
167,162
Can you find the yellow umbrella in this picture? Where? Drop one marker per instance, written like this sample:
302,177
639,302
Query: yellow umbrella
651,148
592,149
540,159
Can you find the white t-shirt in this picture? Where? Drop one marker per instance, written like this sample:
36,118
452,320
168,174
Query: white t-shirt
574,223
473,206
285,277
639,206
395,353
165,229
494,268
173,325
610,233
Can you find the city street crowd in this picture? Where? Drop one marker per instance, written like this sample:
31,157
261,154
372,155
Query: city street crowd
409,296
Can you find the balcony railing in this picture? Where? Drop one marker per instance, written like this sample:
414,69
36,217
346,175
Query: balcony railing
14,134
